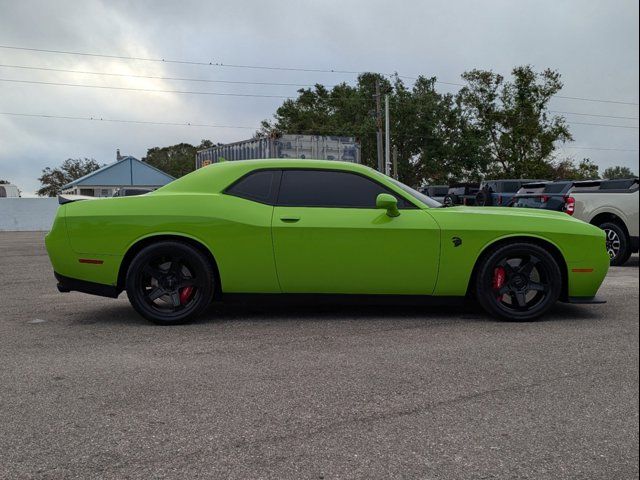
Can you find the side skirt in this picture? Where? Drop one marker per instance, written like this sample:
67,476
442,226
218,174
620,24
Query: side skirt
319,299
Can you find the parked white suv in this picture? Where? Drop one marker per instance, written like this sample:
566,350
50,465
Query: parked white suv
610,204
613,206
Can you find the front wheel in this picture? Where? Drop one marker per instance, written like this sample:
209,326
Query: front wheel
170,283
518,282
618,245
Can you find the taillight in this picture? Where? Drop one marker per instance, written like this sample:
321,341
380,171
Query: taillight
569,205
499,199
545,198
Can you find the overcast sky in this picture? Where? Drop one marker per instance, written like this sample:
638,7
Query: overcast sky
594,44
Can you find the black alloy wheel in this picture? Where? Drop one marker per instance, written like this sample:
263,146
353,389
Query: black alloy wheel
170,282
617,242
518,282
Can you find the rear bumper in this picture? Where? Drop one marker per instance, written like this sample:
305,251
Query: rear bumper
67,284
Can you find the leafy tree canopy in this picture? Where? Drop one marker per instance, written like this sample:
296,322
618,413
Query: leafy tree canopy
618,172
491,127
52,180
176,160
519,130
568,170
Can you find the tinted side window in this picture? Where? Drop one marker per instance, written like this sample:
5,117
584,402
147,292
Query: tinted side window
323,188
556,187
257,186
510,187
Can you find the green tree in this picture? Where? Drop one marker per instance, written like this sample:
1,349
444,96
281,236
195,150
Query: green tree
176,160
433,140
343,110
568,170
513,115
618,172
53,179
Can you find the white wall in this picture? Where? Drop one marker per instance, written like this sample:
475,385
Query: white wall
27,214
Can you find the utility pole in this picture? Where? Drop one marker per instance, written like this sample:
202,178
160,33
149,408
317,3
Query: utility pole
395,162
379,127
387,137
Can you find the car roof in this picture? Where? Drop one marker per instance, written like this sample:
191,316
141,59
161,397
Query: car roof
217,176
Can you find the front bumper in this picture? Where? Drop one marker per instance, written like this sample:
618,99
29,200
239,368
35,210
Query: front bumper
585,300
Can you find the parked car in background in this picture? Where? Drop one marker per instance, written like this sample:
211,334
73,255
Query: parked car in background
545,195
611,205
499,192
131,191
461,194
437,192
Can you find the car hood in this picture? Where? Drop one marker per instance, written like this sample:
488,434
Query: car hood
513,212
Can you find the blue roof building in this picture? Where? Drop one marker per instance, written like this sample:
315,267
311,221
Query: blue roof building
127,171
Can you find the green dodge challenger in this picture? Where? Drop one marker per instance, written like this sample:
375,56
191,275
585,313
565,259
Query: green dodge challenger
287,226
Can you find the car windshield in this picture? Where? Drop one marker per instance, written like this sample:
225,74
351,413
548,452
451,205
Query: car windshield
421,197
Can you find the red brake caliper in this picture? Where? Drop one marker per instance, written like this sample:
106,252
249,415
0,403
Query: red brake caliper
499,276
185,295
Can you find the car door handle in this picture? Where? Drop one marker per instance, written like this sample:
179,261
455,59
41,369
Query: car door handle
289,219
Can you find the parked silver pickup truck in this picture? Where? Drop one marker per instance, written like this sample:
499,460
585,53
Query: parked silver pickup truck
613,206
610,204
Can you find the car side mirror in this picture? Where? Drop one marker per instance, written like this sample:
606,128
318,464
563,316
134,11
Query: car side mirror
389,203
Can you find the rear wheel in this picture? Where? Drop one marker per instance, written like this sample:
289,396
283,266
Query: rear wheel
450,200
484,198
618,244
170,283
518,282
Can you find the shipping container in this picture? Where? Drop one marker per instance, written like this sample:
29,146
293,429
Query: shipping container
319,147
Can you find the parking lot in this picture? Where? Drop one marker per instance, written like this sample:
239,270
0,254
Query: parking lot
90,390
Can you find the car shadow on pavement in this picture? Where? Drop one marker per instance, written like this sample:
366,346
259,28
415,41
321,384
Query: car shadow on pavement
281,311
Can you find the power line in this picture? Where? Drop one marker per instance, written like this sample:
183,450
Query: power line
593,115
132,89
267,67
185,62
238,82
113,120
601,148
250,95
602,125
127,75
596,100
207,125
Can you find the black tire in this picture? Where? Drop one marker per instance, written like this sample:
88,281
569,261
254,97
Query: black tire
531,282
450,200
618,243
484,198
170,282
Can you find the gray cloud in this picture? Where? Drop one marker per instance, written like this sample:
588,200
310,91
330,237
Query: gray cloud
593,44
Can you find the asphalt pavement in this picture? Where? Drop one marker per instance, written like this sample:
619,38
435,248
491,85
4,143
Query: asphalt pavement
88,389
